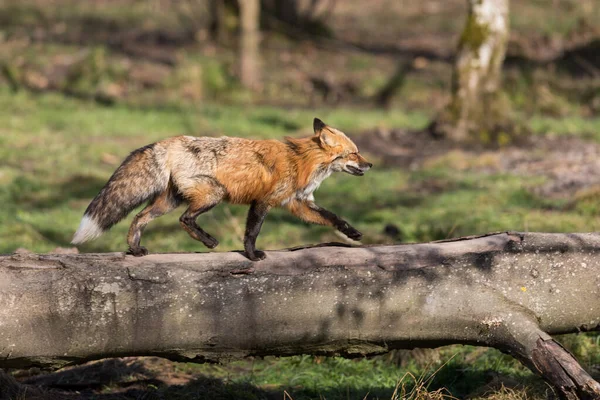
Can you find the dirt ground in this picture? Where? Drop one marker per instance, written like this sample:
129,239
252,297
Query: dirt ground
123,379
570,166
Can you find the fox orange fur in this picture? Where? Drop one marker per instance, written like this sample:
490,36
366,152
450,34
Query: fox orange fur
203,171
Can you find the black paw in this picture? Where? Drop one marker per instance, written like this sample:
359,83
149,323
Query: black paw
138,251
211,242
257,255
349,231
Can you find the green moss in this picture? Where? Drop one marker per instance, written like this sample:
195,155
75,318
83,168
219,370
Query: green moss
474,34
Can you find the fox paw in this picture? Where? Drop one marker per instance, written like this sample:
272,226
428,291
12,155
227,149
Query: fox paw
138,251
354,235
349,231
257,255
211,242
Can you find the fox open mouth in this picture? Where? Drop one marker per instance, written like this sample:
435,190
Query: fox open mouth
354,171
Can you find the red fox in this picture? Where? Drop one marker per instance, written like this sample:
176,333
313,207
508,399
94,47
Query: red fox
203,171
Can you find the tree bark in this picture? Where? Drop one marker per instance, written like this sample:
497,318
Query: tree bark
477,106
216,9
506,290
249,43
288,11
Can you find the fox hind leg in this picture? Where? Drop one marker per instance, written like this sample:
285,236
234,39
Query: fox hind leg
188,223
201,198
163,203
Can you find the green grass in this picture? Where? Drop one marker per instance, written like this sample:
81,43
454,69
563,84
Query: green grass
56,154
588,128
460,370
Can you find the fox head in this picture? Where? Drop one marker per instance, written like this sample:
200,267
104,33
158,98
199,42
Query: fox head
342,151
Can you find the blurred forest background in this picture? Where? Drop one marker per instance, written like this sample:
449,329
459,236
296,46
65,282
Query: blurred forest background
83,83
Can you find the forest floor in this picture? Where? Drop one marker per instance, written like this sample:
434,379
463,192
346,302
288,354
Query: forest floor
85,85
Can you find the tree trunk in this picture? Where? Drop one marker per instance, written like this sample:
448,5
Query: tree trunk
288,12
249,43
216,9
477,108
506,290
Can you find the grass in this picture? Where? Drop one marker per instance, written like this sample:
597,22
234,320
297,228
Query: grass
459,372
588,128
56,153
54,163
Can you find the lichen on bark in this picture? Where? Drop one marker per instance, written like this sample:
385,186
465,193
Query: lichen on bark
474,33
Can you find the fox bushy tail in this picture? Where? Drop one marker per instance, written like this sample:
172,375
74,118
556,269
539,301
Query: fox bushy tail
138,179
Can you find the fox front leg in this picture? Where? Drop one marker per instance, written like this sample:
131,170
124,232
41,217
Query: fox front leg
338,223
310,212
348,230
256,216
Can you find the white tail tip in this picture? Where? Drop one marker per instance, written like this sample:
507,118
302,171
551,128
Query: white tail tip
88,230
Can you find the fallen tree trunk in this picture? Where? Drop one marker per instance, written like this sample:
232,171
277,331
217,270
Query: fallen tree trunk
506,290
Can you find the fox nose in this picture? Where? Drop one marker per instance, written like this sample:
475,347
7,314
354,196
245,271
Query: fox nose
370,165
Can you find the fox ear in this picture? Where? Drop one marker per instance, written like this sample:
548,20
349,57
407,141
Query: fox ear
327,138
318,125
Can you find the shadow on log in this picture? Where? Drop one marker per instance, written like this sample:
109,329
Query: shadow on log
510,291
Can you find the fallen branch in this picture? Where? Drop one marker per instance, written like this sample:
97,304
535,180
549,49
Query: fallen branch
508,290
